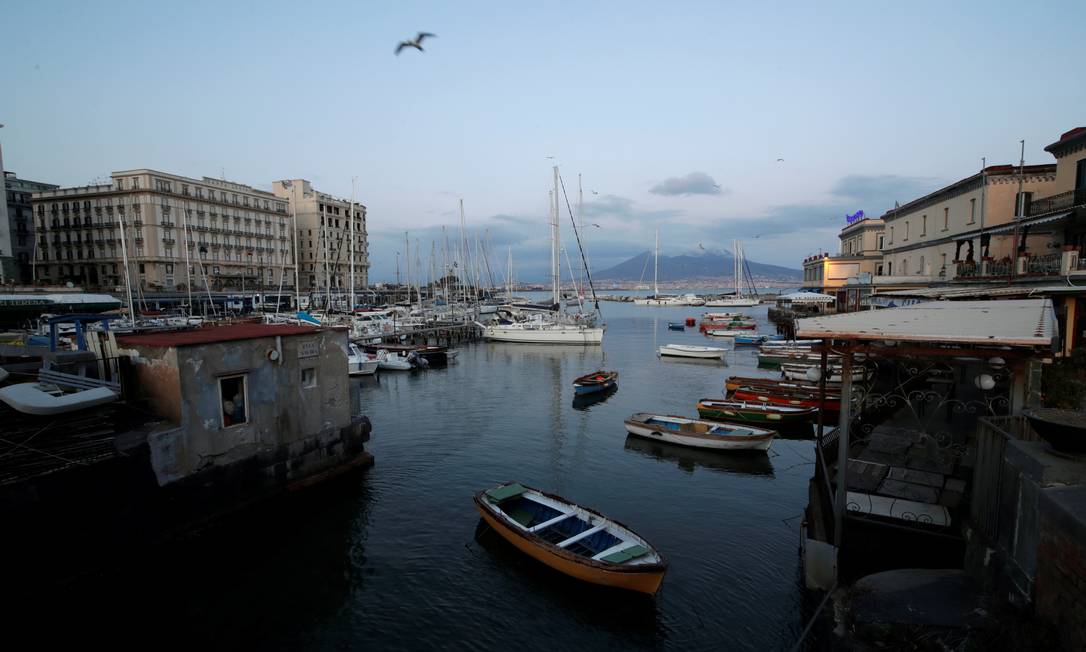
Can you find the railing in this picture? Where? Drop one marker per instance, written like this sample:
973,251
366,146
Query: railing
1080,263
1000,268
968,270
1047,264
1057,202
992,436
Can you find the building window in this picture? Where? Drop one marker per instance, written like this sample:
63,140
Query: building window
881,241
309,378
972,211
946,219
1023,201
924,226
921,270
234,399
906,238
891,235
878,269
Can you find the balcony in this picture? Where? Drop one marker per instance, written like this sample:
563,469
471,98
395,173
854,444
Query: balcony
1046,265
166,224
1059,202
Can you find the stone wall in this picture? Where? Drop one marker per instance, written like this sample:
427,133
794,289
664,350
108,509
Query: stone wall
1061,563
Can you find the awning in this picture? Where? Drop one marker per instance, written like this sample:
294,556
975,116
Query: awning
807,297
1030,222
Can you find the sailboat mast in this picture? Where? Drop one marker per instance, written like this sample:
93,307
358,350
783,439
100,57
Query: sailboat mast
556,267
656,267
350,248
127,277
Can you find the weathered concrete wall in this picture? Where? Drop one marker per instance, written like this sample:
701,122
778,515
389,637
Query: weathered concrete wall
157,381
1061,563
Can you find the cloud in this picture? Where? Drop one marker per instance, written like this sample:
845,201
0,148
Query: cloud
879,192
695,183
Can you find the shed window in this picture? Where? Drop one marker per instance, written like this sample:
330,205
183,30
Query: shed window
234,399
309,378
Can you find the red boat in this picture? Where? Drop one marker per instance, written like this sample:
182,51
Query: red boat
691,322
833,403
727,326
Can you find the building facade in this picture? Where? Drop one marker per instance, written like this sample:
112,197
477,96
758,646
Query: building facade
934,238
177,232
324,237
21,226
860,256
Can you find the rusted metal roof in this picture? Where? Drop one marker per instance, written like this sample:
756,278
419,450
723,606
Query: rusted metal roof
213,334
1018,322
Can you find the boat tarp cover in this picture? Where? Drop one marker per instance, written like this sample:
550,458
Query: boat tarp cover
505,492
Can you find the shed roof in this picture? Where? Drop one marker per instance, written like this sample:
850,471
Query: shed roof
213,334
807,297
1016,322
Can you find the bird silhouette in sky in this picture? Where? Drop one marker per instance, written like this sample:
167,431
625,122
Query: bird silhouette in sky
701,247
597,225
414,43
780,160
595,193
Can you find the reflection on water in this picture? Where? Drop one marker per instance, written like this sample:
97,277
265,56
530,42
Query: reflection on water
689,459
585,401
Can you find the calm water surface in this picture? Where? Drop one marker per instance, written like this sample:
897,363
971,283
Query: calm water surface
395,558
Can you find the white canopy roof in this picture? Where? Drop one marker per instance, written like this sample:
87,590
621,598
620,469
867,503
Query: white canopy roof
807,297
1012,322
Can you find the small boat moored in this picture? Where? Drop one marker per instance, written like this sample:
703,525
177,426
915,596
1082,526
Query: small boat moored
685,351
676,326
696,433
360,363
597,381
709,408
571,539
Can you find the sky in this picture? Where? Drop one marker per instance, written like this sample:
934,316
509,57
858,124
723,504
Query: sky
674,114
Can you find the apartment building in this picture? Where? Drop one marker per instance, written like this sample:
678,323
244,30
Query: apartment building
20,226
176,232
324,237
931,238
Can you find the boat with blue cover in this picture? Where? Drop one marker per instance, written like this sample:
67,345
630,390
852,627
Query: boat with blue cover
696,433
571,539
676,326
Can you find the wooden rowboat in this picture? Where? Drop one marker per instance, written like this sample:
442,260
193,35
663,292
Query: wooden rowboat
597,381
832,404
734,382
676,326
709,408
685,351
571,539
696,433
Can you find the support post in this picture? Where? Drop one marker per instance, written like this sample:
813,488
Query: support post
842,447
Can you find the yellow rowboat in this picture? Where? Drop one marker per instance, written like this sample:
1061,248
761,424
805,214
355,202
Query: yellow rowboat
571,539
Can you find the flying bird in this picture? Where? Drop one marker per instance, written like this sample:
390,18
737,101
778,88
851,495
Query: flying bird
701,247
597,225
595,192
415,43
780,160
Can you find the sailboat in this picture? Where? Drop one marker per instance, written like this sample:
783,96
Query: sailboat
738,300
656,299
549,327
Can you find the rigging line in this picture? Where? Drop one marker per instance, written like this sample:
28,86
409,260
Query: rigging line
577,234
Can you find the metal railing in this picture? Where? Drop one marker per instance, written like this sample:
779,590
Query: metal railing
1057,202
988,486
1045,264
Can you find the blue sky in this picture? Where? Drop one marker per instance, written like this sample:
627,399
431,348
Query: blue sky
675,113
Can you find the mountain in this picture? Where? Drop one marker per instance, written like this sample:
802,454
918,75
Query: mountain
690,267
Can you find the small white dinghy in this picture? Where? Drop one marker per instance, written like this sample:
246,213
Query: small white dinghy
36,398
360,363
392,361
687,351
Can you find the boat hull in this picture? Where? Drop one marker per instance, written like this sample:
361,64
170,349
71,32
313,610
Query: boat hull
756,414
647,431
831,405
544,335
689,353
641,578
364,368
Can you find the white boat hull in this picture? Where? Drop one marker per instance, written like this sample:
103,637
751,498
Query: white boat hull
702,352
544,334
362,368
732,303
672,437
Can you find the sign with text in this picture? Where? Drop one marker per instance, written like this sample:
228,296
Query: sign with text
852,219
308,349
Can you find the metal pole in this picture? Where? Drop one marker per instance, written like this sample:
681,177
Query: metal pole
1019,208
840,502
188,260
297,265
350,248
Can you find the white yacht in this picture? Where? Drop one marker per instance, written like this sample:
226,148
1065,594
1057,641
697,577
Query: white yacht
738,300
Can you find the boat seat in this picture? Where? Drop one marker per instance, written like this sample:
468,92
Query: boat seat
546,524
626,554
577,537
505,492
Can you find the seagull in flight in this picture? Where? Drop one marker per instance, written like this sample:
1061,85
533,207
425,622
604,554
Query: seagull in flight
594,192
780,160
416,43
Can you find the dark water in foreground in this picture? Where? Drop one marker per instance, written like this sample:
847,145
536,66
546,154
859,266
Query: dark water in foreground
393,558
